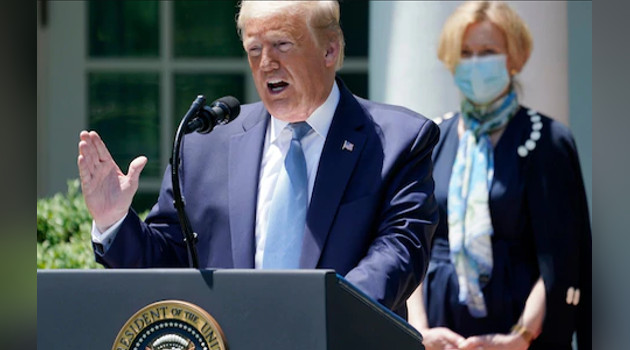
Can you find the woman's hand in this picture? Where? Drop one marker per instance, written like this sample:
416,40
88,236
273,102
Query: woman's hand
441,338
494,342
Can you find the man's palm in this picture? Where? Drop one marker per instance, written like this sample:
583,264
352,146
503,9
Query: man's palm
107,191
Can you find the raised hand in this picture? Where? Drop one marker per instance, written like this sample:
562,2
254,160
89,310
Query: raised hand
107,191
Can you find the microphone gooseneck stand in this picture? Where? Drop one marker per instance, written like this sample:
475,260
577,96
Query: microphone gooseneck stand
202,119
190,237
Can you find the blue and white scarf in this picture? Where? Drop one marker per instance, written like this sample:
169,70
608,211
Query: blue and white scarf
469,221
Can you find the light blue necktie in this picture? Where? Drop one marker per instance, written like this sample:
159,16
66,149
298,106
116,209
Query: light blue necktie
287,214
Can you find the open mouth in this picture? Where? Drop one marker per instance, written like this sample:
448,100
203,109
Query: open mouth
276,86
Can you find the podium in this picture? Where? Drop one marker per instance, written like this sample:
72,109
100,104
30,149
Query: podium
280,310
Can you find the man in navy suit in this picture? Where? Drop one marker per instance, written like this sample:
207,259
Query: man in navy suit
371,212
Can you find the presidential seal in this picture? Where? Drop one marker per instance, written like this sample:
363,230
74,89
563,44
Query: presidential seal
170,325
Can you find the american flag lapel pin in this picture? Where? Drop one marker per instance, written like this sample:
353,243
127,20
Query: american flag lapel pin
347,146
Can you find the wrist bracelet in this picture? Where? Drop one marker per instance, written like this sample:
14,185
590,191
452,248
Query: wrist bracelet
523,332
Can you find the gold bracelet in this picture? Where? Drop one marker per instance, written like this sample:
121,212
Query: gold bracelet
523,332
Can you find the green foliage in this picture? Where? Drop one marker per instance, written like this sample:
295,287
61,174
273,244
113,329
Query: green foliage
76,253
64,229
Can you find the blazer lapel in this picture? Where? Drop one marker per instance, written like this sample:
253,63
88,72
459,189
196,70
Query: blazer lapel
340,154
444,132
244,168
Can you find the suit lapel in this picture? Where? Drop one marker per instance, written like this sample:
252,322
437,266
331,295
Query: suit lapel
244,168
335,167
444,132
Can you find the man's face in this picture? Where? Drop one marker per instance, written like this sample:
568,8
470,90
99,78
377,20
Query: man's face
293,74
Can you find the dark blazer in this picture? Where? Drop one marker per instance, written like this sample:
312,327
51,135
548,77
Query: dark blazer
372,213
541,226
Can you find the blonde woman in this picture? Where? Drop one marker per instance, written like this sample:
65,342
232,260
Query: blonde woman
510,261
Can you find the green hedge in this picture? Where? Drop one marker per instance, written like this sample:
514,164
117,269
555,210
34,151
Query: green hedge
63,231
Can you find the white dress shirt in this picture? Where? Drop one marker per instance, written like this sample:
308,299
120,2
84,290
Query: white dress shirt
277,141
276,146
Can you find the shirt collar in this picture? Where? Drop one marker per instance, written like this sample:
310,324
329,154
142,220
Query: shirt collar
319,120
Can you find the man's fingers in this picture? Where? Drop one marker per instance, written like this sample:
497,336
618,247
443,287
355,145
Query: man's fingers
84,135
85,173
84,163
89,155
87,148
101,149
135,168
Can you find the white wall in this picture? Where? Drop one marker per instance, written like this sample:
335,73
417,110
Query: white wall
404,68
63,101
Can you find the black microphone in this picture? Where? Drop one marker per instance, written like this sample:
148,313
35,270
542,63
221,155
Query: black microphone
220,112
194,108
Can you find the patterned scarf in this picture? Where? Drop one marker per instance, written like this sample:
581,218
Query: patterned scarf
469,221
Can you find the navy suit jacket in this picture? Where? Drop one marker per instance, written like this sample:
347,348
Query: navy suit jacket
372,213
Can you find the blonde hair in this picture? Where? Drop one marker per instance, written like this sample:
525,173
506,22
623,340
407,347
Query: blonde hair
519,39
322,18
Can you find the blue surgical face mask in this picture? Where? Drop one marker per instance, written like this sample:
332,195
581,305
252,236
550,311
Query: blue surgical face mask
482,79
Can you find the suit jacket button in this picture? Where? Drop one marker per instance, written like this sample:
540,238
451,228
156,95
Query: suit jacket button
570,295
576,296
